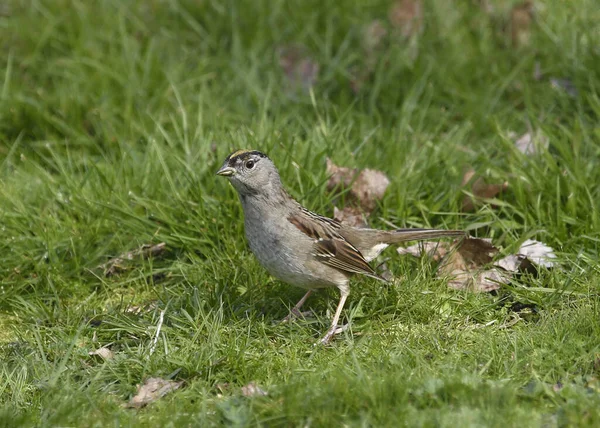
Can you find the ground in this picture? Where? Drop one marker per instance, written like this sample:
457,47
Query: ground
114,117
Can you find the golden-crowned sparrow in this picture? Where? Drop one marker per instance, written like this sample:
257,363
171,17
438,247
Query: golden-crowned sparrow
298,246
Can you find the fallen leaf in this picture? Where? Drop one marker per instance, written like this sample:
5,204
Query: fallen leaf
339,175
479,189
370,185
467,266
530,143
470,264
521,17
538,253
485,280
350,216
116,264
433,249
513,263
367,186
104,353
407,16
153,389
298,67
253,390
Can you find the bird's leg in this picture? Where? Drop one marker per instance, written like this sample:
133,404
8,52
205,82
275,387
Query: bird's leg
344,292
295,312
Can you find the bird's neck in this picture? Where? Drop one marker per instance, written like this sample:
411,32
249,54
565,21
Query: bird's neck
266,203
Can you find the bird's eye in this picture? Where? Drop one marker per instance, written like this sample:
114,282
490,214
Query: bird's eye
250,164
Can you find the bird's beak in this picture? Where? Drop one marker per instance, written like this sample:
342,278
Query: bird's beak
226,171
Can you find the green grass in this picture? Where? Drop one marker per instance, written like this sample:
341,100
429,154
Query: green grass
114,117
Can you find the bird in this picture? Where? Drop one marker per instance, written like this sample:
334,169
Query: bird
300,247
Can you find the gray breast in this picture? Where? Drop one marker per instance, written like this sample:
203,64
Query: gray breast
280,247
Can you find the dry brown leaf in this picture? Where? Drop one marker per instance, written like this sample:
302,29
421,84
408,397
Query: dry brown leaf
116,264
480,190
350,216
104,353
521,17
368,185
407,16
153,389
433,249
468,263
299,68
466,266
253,390
531,143
339,175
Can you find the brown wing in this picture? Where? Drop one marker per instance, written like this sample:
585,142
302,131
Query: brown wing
331,248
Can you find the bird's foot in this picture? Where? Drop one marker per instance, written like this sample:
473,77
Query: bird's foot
332,332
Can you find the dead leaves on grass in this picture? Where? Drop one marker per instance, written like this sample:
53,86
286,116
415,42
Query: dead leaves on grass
470,263
465,266
479,190
530,143
103,352
153,389
404,22
253,390
538,253
350,216
299,68
367,186
406,16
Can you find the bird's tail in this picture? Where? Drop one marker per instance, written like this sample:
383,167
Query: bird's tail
404,235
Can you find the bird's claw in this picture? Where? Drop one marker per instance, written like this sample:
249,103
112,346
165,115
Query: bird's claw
332,332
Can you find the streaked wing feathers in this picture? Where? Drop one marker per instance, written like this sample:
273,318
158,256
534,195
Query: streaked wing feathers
340,254
331,248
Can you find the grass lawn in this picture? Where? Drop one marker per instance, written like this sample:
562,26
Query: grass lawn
114,117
